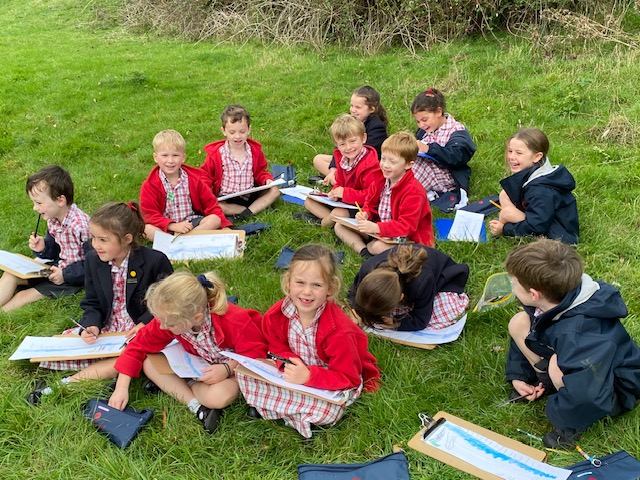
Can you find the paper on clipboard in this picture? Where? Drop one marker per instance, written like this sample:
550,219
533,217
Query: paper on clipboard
352,223
425,338
200,244
67,347
466,227
270,374
302,193
483,453
21,266
276,183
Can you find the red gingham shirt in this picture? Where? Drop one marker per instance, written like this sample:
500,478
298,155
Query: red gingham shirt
344,161
236,176
178,207
204,341
384,207
303,341
70,234
120,320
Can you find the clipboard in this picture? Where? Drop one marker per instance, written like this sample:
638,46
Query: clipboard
278,182
387,240
165,242
82,357
43,271
240,233
424,346
418,444
245,371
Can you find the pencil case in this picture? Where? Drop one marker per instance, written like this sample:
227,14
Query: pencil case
390,467
618,465
120,426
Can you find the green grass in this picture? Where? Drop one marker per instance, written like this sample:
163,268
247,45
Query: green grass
86,95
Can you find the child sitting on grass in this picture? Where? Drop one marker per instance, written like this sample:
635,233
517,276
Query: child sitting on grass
536,199
51,190
569,342
366,107
323,347
194,311
237,164
445,150
396,208
357,169
173,198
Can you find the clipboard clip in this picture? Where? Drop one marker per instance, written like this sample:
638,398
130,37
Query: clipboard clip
429,423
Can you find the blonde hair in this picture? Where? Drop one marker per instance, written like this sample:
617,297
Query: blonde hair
402,144
346,126
169,137
381,289
182,295
326,258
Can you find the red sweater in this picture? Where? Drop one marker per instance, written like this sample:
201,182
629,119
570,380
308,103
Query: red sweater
410,211
356,181
237,330
339,343
153,199
212,166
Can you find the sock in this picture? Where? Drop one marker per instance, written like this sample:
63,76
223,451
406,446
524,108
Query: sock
66,380
194,405
47,391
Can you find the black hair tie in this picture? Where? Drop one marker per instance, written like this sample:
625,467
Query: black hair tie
204,281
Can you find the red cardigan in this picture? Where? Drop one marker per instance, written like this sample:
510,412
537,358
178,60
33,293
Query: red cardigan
237,330
356,181
410,211
339,343
153,199
212,166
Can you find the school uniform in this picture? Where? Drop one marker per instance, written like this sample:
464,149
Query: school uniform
440,279
450,148
212,170
236,330
63,243
336,352
356,180
114,300
410,210
600,362
153,199
544,194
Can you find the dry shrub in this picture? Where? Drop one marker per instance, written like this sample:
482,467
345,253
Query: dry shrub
618,130
372,25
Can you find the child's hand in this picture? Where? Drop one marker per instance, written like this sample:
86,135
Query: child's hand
213,374
362,216
297,373
56,276
330,179
370,228
532,392
336,193
36,243
180,227
132,333
119,398
90,334
423,147
496,227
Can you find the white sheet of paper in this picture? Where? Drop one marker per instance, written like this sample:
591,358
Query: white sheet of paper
277,377
183,363
276,183
349,220
302,192
426,336
19,264
490,456
466,226
70,346
196,247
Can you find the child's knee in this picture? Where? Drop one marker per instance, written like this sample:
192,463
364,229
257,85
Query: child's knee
519,325
555,373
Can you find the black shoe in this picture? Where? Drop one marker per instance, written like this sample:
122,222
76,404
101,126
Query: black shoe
253,413
34,397
209,418
365,253
316,179
307,217
150,387
565,438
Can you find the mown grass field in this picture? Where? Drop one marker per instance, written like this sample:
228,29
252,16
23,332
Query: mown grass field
83,93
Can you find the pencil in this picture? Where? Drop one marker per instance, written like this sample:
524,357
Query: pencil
35,234
83,328
126,342
495,204
359,209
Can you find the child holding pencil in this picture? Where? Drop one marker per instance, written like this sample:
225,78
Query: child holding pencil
323,347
